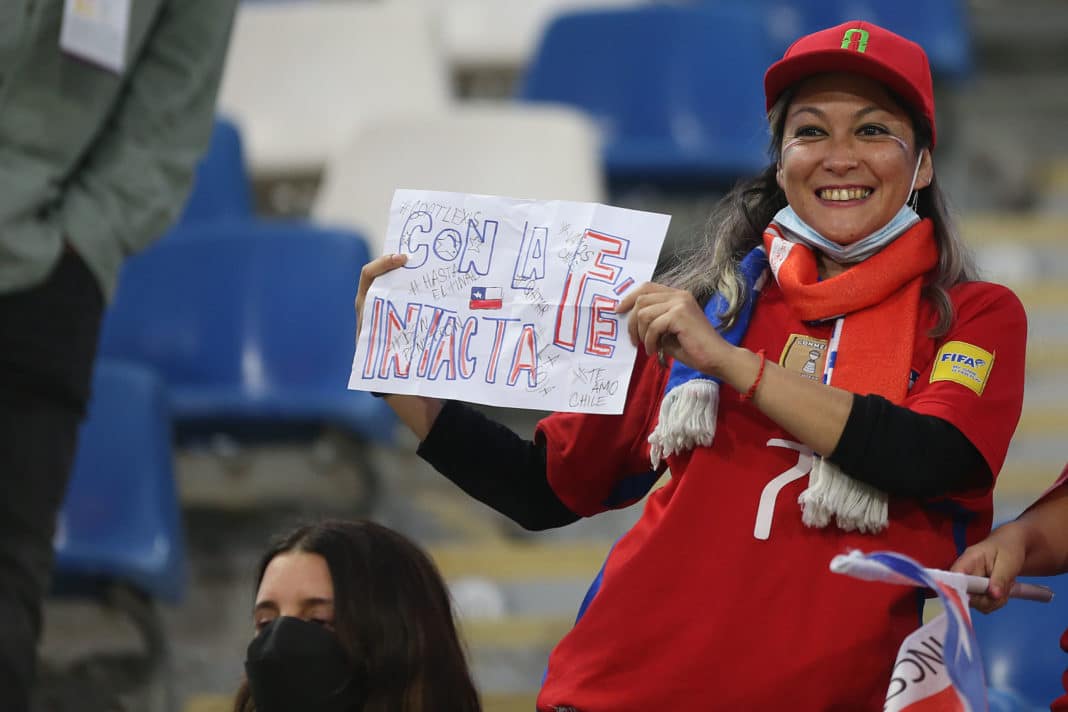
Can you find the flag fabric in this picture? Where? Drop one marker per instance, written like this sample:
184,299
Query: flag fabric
486,298
938,667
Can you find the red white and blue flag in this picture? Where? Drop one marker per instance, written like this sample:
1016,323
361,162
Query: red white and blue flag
938,666
486,298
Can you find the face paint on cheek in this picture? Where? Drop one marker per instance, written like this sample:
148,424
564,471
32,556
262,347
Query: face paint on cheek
900,142
790,144
903,144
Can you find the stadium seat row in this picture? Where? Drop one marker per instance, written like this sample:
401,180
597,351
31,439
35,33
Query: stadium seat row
673,89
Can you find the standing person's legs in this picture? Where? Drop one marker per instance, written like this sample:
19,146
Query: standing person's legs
47,342
37,437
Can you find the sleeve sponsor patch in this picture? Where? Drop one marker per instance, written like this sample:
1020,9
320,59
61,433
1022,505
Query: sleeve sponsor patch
964,364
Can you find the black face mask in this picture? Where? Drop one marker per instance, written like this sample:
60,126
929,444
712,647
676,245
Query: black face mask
296,666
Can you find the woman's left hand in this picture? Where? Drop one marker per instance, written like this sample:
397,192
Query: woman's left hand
669,321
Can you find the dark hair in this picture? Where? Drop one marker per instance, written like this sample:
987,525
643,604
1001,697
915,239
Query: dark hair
737,222
392,614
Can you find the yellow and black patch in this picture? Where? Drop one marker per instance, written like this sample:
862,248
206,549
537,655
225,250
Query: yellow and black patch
964,364
805,355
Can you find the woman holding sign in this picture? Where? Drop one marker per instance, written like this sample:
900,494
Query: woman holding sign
838,381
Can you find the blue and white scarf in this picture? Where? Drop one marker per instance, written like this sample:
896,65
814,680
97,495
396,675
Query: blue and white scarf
691,401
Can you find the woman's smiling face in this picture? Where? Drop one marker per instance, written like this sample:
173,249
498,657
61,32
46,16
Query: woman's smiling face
848,156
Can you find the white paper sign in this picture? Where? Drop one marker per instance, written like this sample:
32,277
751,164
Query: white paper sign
506,302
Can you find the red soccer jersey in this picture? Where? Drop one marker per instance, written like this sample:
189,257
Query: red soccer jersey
719,597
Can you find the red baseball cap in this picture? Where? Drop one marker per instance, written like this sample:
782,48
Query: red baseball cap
863,48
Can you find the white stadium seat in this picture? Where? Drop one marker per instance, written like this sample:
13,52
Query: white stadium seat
300,75
539,152
498,34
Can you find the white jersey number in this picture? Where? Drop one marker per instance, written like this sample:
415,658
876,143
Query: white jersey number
766,508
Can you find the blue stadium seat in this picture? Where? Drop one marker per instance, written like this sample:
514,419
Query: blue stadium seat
1021,646
120,520
221,185
940,26
249,323
119,537
677,91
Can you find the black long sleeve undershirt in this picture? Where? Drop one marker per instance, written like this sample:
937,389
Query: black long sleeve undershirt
495,466
903,453
907,454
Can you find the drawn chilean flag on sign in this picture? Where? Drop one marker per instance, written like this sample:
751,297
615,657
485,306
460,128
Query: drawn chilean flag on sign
486,298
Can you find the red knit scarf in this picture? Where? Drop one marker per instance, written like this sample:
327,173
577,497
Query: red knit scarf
879,297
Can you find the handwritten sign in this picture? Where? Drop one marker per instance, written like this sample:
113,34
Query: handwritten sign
506,302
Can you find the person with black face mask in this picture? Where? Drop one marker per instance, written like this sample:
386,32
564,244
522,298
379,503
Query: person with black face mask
353,617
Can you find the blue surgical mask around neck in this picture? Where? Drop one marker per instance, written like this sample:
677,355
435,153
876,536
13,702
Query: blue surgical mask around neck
797,230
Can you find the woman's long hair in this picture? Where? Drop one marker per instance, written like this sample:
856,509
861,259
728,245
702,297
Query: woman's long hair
392,615
737,223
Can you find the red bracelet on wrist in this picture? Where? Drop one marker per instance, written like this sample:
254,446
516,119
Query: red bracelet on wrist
748,395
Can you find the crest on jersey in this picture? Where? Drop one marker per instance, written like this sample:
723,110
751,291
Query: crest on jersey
806,355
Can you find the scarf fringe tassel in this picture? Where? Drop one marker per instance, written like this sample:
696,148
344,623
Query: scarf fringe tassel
687,419
856,506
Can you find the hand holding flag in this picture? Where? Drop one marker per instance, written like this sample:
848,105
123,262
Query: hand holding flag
857,565
949,639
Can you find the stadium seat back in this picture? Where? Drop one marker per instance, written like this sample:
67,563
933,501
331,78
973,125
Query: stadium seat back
522,151
676,91
248,322
221,186
120,520
300,75
1020,645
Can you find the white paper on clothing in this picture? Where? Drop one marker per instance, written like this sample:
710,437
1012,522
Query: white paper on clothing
96,31
506,302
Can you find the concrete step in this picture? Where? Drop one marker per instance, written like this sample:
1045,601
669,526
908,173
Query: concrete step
509,561
513,702
1045,295
515,632
1027,480
1045,359
1009,34
1054,198
1031,230
1043,421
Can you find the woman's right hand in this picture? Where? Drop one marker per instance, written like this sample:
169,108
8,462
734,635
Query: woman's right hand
1000,557
370,272
417,412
